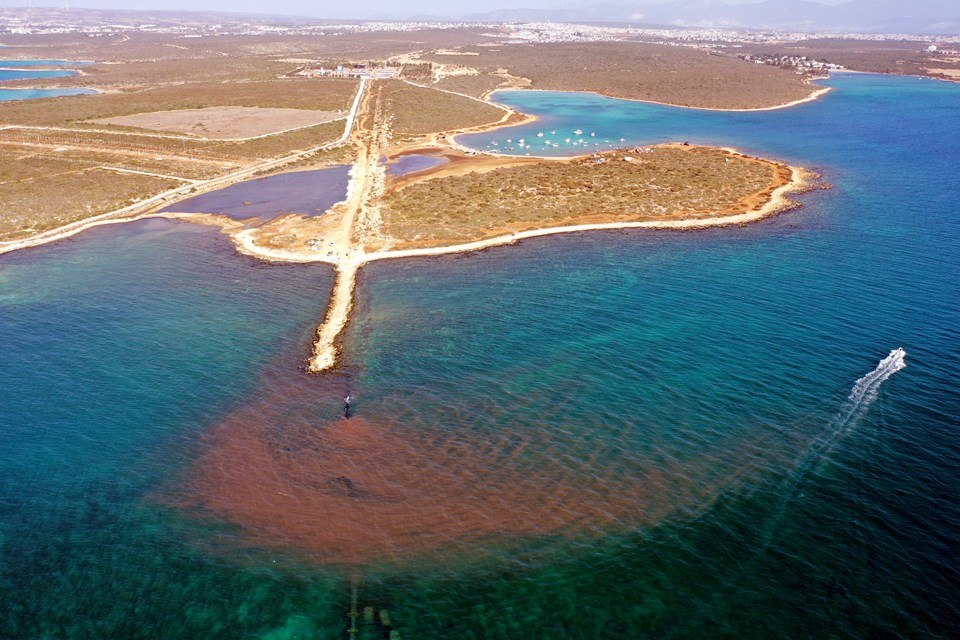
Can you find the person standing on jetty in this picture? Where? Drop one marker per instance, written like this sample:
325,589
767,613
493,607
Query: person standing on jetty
346,406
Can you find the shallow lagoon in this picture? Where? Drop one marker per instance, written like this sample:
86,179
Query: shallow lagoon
30,74
308,193
718,366
19,70
411,163
33,94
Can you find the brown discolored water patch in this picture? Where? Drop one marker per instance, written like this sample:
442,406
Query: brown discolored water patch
364,489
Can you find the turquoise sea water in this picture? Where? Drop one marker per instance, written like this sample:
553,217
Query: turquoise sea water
32,94
669,426
19,70
30,74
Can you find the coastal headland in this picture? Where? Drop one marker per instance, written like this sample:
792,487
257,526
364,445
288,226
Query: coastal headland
473,201
579,405
165,147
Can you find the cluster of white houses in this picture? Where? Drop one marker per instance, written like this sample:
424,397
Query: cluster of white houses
356,70
799,63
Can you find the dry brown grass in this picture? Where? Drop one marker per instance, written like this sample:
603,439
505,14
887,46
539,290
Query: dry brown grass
281,144
150,73
668,182
181,166
417,72
48,178
341,154
675,75
476,86
118,141
62,178
18,164
950,74
263,48
129,140
16,167
58,198
323,94
225,123
888,56
416,110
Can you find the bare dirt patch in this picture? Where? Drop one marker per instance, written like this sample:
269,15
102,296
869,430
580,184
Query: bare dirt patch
953,74
418,110
476,86
226,123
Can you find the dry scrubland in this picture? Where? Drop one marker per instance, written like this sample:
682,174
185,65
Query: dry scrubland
416,110
327,94
51,176
45,194
897,57
675,75
145,73
172,149
667,182
476,86
12,159
225,123
250,56
340,154
62,130
49,200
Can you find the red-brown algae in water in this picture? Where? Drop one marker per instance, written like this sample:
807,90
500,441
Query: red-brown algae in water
360,490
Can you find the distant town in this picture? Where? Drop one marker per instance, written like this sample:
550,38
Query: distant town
50,21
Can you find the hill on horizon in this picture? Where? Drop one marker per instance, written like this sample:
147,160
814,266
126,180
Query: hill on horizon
869,16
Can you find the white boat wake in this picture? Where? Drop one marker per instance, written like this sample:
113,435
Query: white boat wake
862,395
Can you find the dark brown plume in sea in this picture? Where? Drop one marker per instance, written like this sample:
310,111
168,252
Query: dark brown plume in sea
364,489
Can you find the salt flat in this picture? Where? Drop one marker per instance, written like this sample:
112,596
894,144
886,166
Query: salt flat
225,123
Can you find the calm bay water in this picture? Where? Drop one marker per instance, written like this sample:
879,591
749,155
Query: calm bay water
671,422
20,70
32,94
30,74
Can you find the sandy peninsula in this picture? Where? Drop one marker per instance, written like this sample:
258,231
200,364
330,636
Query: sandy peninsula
355,223
369,226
